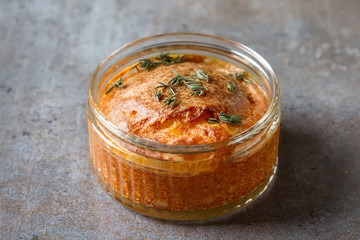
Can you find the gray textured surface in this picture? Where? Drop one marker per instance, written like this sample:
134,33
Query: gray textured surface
48,50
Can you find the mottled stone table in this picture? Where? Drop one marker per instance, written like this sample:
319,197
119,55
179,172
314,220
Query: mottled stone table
48,50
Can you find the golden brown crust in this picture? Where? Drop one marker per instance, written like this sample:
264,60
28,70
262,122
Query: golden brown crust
134,109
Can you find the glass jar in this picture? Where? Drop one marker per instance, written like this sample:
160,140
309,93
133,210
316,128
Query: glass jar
184,182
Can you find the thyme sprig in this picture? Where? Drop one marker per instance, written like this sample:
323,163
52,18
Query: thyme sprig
166,59
162,59
231,119
192,84
148,64
241,76
232,87
202,75
171,100
177,79
116,84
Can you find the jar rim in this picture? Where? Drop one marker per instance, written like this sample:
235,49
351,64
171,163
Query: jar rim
93,106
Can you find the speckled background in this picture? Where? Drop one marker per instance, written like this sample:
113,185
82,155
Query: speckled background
48,50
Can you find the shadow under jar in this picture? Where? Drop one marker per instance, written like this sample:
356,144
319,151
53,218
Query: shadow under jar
184,182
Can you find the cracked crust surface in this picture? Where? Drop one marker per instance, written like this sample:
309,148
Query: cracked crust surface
135,110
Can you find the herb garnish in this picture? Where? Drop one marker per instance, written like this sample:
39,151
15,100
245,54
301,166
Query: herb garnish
162,59
191,83
176,80
194,86
158,96
170,101
241,76
231,119
232,87
202,75
166,59
148,64
213,120
117,84
251,98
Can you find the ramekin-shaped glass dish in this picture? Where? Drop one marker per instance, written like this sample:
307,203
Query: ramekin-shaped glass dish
185,182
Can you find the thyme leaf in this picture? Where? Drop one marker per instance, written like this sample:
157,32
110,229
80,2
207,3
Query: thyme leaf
163,85
232,87
213,120
251,98
170,101
116,84
158,96
231,119
241,76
